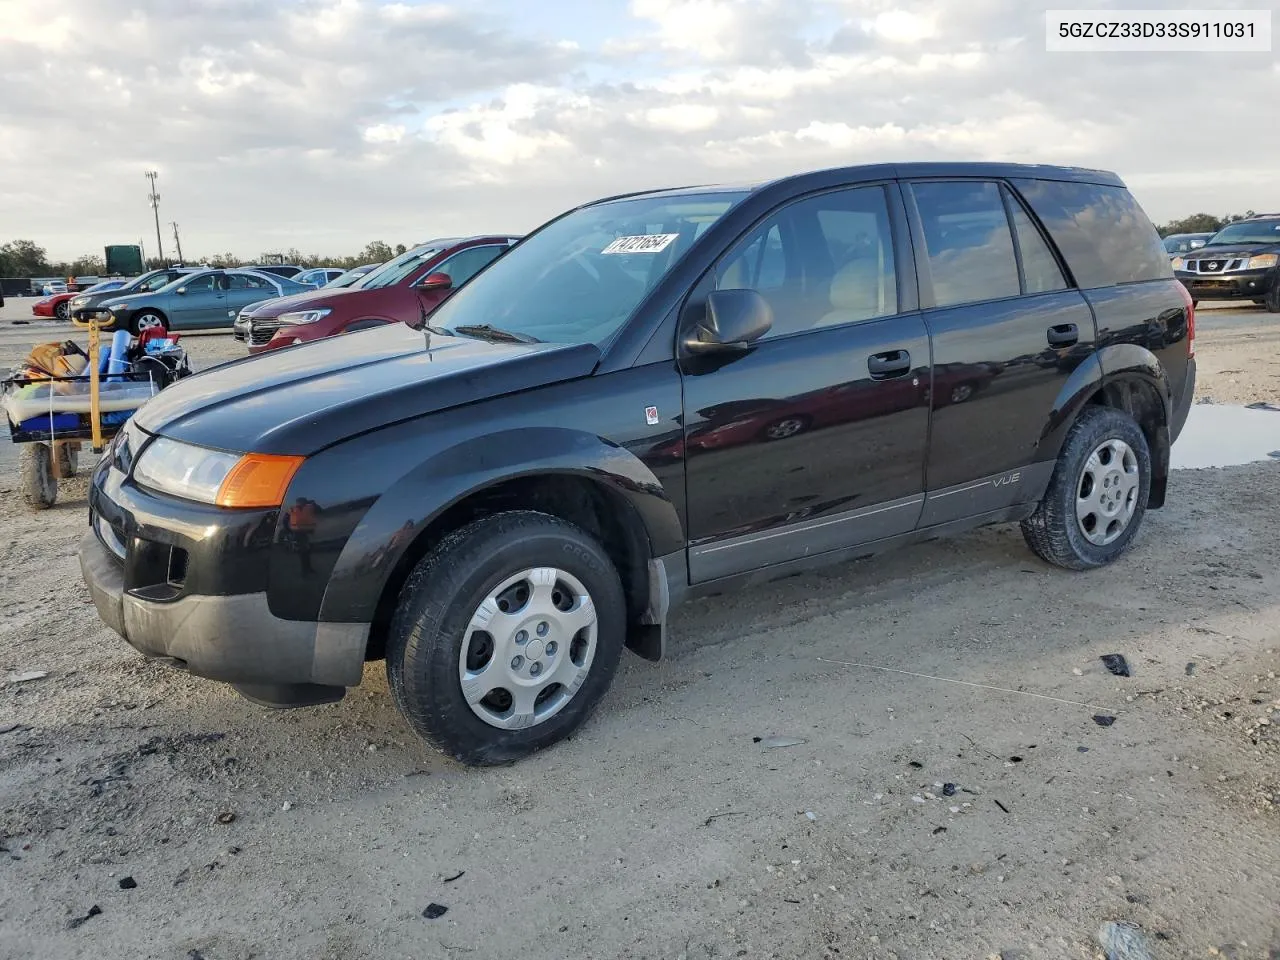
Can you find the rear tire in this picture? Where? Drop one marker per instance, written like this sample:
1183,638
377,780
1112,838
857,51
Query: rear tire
1097,496
146,320
63,310
465,610
39,485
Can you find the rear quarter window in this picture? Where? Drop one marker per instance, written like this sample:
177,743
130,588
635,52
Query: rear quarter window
1101,231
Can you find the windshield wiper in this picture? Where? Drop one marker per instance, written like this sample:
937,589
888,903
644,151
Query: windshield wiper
484,331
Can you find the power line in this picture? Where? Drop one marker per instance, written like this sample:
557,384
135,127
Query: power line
155,207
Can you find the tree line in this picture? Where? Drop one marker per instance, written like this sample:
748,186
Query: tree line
25,258
1201,223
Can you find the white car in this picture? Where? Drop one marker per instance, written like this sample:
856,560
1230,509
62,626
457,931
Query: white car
54,286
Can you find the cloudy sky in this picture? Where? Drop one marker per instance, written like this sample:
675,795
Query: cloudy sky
324,124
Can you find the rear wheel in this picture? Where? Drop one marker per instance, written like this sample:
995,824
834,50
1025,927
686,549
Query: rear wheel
63,310
506,636
39,485
1097,496
147,320
68,458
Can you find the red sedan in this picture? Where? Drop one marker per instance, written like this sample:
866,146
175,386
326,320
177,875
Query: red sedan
400,291
58,305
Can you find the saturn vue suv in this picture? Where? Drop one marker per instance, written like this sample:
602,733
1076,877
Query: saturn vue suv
490,499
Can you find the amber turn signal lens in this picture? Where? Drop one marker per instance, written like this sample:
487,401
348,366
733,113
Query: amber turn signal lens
258,480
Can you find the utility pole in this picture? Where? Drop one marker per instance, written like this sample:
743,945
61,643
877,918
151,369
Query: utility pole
155,208
176,242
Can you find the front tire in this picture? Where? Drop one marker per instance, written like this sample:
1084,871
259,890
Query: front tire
1272,301
146,320
506,636
1097,496
39,485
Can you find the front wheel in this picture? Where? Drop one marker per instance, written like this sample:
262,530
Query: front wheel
1097,496
506,636
1272,301
39,485
147,320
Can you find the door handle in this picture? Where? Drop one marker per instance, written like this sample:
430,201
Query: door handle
894,363
1064,335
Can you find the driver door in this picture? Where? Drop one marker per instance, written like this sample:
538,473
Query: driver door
814,439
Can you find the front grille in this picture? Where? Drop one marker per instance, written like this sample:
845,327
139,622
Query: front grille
261,332
1216,264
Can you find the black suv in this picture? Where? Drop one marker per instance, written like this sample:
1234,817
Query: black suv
654,396
1239,262
84,305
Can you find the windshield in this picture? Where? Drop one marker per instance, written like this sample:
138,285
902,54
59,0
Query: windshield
1254,231
581,277
349,278
104,285
393,271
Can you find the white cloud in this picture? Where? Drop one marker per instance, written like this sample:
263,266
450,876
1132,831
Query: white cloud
323,124
681,117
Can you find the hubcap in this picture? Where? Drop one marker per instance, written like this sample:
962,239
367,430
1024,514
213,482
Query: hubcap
148,321
528,648
1107,494
784,428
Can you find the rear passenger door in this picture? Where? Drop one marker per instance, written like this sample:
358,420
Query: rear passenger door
815,438
1007,330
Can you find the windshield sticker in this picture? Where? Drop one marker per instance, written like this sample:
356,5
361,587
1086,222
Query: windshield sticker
646,243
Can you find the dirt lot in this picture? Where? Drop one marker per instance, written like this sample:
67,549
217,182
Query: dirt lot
916,817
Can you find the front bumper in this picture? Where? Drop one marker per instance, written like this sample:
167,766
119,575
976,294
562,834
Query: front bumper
1250,285
190,615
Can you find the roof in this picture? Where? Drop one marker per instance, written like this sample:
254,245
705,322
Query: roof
891,171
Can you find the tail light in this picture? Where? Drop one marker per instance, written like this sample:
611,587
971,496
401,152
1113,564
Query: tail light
1191,320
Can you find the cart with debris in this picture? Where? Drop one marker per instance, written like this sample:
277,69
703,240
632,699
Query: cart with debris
52,410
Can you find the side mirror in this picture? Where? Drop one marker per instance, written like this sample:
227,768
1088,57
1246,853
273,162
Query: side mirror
733,320
436,281
182,290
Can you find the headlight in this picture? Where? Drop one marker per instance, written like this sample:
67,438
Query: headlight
79,301
1262,261
304,316
118,307
213,476
1178,263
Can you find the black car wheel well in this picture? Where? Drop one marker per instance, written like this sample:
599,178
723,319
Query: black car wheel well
592,505
1140,399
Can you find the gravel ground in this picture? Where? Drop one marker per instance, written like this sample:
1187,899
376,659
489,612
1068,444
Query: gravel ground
946,790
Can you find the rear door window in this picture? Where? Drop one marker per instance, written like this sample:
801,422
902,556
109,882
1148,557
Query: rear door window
1103,234
968,243
1040,270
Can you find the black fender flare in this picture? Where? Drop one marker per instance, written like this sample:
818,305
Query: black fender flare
372,553
1111,367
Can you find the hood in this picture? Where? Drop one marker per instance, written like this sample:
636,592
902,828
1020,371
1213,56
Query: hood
304,398
307,300
1229,251
111,300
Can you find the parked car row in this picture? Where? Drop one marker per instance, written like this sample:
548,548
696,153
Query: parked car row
191,297
403,289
